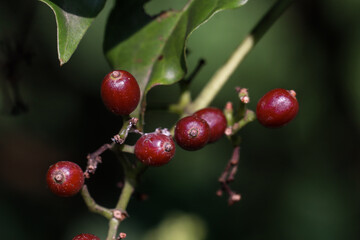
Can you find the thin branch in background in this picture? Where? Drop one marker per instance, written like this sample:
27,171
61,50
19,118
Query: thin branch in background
94,159
228,176
185,94
201,63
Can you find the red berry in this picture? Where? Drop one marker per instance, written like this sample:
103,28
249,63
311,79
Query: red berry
277,107
155,149
120,92
65,178
192,133
216,121
85,236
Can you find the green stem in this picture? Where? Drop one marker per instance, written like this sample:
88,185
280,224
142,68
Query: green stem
113,226
126,193
249,117
127,148
241,112
184,100
93,207
124,199
128,123
131,174
229,114
222,75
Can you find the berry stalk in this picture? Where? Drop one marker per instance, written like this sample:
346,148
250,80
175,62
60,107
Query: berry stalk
93,206
132,171
120,213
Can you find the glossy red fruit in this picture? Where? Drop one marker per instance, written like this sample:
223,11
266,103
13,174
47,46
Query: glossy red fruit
65,178
155,149
192,133
216,120
277,107
120,92
86,236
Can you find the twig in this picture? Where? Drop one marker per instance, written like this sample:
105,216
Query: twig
234,160
244,100
196,71
228,176
94,159
93,207
123,201
131,174
128,126
249,117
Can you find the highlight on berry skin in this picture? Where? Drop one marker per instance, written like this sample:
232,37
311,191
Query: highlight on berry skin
216,120
155,149
192,133
277,108
65,178
120,92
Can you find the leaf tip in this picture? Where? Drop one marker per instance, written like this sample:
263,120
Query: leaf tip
62,62
63,59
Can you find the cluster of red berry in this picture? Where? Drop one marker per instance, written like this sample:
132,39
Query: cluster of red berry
120,93
204,126
191,133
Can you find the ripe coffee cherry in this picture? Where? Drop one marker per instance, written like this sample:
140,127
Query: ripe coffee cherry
277,107
85,236
216,121
65,178
120,92
154,149
192,133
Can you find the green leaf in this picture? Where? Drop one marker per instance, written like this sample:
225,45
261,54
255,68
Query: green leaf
73,18
153,50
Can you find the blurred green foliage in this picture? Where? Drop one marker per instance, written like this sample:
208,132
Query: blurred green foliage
301,181
178,226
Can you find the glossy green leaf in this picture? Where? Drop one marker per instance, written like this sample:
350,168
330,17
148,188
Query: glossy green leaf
153,50
73,18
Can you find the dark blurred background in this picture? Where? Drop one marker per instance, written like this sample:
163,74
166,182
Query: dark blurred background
301,181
